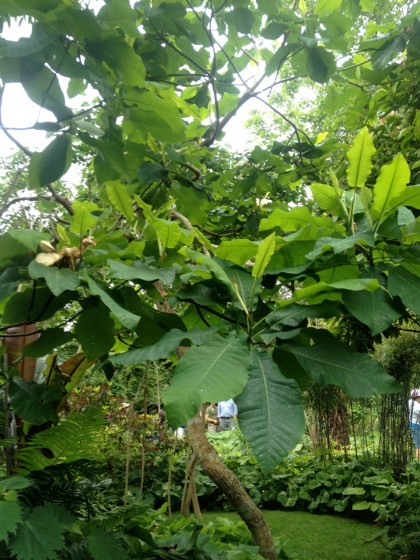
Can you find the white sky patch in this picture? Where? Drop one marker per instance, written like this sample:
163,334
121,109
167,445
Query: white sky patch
19,113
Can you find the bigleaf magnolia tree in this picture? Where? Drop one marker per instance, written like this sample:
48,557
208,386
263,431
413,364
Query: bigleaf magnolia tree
163,250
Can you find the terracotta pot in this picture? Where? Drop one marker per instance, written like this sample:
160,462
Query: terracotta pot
15,346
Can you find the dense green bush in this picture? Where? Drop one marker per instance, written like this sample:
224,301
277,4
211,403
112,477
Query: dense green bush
302,481
401,517
116,532
98,503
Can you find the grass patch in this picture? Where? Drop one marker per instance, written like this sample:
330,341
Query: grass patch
307,536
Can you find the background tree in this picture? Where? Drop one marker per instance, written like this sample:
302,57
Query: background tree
400,358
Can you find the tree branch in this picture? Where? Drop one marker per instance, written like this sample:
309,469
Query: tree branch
18,199
65,203
190,227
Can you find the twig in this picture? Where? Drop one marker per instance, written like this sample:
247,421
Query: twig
61,199
190,227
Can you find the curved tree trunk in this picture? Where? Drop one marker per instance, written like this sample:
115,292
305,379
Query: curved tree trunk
189,495
230,485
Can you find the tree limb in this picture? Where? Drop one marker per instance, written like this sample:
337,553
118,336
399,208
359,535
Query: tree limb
65,203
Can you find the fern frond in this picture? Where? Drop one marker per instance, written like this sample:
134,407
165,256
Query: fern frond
75,437
77,486
76,550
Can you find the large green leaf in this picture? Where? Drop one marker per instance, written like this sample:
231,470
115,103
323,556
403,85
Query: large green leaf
215,371
409,197
139,271
165,347
103,545
405,285
120,199
95,330
168,233
155,115
122,58
15,482
49,340
83,219
246,287
328,198
9,281
388,51
320,64
360,159
58,279
338,273
264,253
356,284
238,251
326,7
126,318
10,517
29,238
274,427
211,264
296,218
43,87
241,18
327,362
38,305
119,13
12,252
374,309
341,244
50,164
41,536
26,45
294,315
203,295
291,258
390,185
34,403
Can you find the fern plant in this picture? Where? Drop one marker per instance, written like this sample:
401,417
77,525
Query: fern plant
75,437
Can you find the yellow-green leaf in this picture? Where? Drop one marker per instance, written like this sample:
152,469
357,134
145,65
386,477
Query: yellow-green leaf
360,159
83,220
237,250
120,199
328,199
326,7
263,256
389,187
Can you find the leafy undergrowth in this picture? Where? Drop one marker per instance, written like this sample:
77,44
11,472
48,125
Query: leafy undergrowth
305,536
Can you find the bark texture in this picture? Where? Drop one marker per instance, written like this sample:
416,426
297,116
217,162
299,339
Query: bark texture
231,486
189,495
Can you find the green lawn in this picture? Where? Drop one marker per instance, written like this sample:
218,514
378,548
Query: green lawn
307,536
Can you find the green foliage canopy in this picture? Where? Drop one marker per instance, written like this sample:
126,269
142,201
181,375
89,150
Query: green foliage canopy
184,255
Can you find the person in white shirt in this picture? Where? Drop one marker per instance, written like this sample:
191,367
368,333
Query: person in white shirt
227,412
414,418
